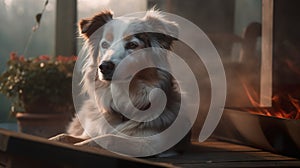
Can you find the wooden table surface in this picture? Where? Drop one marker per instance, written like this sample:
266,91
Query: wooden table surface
21,150
215,153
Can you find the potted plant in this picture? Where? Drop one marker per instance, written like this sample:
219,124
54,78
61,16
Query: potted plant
40,90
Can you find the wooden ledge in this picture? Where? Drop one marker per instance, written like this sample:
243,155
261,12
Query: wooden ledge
22,150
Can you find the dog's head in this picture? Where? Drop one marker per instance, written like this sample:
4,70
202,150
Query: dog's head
112,40
135,49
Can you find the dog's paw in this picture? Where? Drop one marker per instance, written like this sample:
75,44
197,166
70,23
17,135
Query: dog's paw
65,138
89,142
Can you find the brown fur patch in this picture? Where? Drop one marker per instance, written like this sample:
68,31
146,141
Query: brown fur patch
88,26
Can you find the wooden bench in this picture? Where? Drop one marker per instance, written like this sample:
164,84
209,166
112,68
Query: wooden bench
22,150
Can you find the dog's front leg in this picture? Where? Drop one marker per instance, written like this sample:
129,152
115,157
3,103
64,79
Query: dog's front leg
65,138
120,144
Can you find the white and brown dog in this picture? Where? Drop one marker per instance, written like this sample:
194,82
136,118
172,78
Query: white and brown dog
109,41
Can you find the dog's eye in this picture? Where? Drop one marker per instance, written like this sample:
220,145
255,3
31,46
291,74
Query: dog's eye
131,45
105,45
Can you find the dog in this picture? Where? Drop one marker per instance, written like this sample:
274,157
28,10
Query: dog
109,41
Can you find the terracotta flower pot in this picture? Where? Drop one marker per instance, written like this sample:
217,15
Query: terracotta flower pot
43,124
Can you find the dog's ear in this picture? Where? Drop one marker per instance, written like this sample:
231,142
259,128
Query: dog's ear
163,31
88,26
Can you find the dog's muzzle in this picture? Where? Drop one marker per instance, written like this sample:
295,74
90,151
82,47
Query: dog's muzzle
107,69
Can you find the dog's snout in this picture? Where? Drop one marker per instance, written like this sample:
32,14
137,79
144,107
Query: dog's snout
107,67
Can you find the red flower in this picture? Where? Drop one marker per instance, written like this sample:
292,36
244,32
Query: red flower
13,56
44,58
22,58
72,58
65,59
60,58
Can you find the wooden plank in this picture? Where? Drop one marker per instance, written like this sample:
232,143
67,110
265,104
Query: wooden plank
3,160
242,164
267,54
31,151
223,157
55,153
65,32
224,154
220,145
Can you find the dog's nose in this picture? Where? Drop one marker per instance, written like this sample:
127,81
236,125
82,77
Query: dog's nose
107,67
